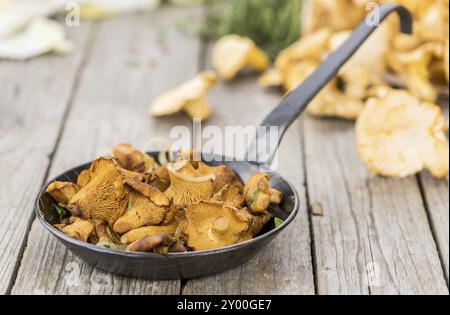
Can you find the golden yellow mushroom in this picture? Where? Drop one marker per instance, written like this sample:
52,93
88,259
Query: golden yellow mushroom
212,225
230,196
78,228
190,97
104,197
142,232
232,53
258,194
223,175
186,190
132,159
62,191
146,206
84,178
397,135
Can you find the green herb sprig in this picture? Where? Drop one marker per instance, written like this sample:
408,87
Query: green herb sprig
272,24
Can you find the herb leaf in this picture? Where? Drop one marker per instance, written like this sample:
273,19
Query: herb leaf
62,213
278,222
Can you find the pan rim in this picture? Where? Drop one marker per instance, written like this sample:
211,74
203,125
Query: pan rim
138,255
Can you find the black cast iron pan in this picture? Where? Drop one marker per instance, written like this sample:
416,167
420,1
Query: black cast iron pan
202,263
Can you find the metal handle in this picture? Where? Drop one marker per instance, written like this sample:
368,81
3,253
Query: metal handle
295,103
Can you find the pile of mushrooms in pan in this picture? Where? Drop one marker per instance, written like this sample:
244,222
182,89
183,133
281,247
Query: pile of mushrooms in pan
129,202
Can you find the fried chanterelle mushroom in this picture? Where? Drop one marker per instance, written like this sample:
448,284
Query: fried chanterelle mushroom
129,202
132,159
62,191
190,97
232,53
258,194
146,206
187,186
212,225
397,135
104,197
78,228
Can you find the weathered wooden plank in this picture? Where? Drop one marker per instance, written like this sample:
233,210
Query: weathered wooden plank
34,96
436,198
285,267
374,236
133,59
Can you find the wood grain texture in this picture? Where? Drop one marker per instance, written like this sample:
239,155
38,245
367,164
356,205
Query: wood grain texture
285,267
374,236
130,63
436,198
436,195
34,96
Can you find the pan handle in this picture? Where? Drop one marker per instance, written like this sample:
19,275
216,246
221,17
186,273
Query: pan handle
295,102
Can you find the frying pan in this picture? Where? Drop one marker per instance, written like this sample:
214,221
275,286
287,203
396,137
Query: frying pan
201,263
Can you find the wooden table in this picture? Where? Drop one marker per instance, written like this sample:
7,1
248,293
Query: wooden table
376,235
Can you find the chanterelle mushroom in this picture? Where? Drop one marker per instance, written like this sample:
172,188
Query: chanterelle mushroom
158,243
132,159
258,194
142,232
84,178
78,229
185,189
229,195
397,135
223,175
212,225
190,96
106,237
146,206
104,197
232,53
62,191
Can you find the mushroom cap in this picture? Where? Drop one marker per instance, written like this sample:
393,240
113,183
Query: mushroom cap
191,95
311,46
256,222
276,196
223,175
230,196
184,189
211,225
331,102
132,159
232,53
160,178
62,191
84,178
257,192
146,206
78,229
154,195
397,135
104,197
414,66
159,242
142,232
